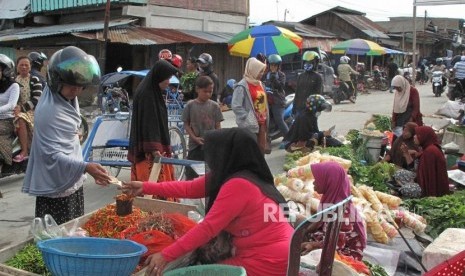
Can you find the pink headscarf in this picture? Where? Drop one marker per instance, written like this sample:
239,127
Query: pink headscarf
332,181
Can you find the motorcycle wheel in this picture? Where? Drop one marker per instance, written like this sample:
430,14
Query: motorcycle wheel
370,84
336,99
84,128
383,85
436,91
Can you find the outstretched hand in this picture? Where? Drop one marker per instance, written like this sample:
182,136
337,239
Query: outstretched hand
98,172
132,188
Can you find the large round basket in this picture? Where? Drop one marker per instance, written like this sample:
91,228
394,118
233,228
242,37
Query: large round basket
207,270
91,256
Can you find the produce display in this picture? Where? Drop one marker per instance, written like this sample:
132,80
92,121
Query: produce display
440,212
380,210
29,259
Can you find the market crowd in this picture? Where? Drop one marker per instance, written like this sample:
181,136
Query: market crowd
45,115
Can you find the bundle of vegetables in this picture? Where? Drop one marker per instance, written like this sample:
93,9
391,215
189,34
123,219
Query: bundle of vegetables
440,212
376,270
29,259
358,266
105,223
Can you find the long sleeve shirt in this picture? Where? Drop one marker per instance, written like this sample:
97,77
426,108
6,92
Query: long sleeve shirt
261,240
8,101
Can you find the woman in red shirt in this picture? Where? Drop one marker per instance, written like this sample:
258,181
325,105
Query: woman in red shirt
241,200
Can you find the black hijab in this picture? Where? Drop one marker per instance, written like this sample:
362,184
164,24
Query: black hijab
234,152
149,123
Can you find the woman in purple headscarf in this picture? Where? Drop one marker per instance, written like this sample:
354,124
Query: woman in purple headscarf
332,183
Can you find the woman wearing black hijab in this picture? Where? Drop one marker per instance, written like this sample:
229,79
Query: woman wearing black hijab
241,200
149,124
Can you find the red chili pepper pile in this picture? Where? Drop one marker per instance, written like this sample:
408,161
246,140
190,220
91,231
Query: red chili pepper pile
105,223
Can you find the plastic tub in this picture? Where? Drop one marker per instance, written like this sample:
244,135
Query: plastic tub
207,270
91,256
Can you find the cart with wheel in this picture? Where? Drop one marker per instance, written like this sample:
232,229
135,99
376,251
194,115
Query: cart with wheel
108,141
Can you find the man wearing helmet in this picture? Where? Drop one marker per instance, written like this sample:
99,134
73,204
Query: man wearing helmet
275,80
37,62
56,170
309,82
205,62
441,67
344,70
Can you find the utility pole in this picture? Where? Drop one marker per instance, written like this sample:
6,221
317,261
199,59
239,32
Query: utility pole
277,10
286,11
104,43
424,34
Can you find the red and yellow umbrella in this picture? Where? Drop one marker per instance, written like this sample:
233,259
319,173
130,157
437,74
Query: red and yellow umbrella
265,39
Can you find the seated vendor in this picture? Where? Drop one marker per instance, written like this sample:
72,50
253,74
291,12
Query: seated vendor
238,189
332,182
404,154
304,133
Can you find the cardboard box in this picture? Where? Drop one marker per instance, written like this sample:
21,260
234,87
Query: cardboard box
145,204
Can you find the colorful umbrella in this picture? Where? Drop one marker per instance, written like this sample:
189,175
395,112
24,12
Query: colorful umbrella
358,46
265,39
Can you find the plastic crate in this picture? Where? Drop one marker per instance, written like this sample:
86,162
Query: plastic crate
207,270
91,256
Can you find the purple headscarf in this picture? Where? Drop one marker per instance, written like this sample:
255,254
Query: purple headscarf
332,181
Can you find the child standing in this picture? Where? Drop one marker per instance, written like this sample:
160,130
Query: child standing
200,115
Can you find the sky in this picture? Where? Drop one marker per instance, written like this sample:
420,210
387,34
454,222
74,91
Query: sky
376,10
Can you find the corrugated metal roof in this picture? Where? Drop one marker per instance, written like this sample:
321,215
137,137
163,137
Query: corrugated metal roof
11,9
304,30
38,6
364,24
19,34
134,35
405,24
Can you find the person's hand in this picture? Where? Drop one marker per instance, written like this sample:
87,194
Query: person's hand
98,173
306,247
17,110
155,264
198,140
413,153
404,148
133,188
149,156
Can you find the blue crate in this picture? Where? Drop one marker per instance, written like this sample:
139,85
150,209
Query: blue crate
91,256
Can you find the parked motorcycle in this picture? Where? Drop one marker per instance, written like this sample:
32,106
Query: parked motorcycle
438,86
377,81
273,130
455,90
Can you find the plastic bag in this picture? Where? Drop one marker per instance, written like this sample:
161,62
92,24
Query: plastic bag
46,228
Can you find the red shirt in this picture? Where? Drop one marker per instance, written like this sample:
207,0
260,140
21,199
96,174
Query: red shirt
261,247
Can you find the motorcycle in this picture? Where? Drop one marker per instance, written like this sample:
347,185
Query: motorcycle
455,90
20,167
438,86
377,81
344,93
273,130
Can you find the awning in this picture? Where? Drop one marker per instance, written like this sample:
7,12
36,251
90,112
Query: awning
13,9
134,35
393,52
26,33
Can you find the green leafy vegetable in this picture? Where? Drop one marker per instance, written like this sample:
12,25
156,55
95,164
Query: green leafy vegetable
382,122
376,270
440,212
29,259
289,160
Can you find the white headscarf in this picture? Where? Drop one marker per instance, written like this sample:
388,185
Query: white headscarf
401,97
253,68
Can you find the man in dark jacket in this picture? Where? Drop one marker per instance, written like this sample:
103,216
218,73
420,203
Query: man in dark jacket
309,82
392,72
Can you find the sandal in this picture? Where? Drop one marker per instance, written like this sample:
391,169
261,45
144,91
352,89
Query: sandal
20,158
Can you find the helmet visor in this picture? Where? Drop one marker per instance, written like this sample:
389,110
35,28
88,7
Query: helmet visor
80,72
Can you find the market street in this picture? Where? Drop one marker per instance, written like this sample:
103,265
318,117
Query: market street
17,209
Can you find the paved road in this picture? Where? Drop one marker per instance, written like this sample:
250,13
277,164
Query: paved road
17,209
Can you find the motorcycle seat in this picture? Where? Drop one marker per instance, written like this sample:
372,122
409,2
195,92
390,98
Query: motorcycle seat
124,143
